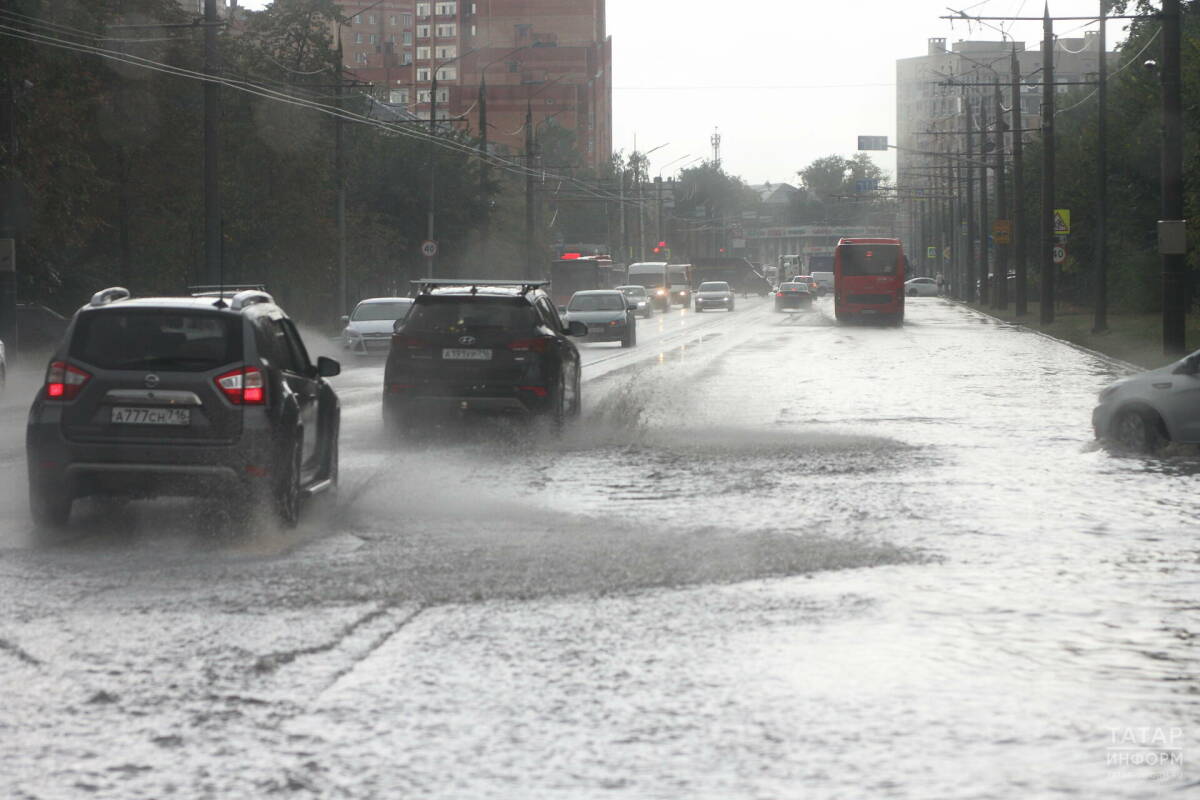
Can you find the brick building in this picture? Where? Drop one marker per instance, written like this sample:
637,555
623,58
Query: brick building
551,56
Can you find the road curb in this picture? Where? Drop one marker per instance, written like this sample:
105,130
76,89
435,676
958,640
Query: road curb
1113,360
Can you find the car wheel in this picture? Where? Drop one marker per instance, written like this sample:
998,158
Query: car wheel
287,485
630,338
49,509
577,406
731,306
1140,430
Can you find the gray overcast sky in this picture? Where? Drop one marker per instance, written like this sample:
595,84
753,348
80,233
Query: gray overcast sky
787,81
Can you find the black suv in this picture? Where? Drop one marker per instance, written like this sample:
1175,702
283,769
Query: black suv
481,346
211,394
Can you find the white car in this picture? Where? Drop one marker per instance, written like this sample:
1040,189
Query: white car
714,294
1144,412
369,327
921,287
3,366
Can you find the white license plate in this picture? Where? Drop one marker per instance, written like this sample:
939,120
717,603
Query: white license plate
452,354
125,415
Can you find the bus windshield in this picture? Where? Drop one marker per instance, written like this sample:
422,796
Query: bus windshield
650,277
870,259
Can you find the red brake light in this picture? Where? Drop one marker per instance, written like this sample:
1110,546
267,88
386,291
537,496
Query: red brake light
243,386
64,381
539,345
537,391
779,294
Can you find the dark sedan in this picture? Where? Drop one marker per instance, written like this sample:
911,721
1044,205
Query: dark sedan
793,297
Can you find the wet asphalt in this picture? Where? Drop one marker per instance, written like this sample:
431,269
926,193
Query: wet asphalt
777,558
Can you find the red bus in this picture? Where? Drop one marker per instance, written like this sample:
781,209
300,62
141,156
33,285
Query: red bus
868,279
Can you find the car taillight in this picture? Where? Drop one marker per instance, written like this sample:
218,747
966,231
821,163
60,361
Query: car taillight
539,345
779,294
64,381
243,386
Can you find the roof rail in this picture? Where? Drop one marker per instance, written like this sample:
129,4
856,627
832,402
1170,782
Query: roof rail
224,289
249,298
426,285
109,295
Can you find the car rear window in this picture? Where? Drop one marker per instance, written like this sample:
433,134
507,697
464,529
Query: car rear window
162,340
870,259
714,286
432,314
596,302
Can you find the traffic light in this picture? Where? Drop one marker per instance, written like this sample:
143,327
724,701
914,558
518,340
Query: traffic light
661,247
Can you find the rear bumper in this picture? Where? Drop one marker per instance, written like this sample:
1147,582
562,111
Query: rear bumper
368,347
140,468
445,399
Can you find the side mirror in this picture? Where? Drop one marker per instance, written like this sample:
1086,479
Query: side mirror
345,319
328,367
562,309
576,328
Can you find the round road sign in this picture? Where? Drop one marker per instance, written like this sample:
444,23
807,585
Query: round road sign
429,248
1060,253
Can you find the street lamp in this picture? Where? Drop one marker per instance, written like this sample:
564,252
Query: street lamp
658,189
429,227
642,200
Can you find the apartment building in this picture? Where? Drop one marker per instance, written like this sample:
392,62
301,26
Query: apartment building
549,58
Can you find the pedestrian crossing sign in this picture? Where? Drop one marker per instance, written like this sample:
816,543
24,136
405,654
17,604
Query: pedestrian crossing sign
931,252
1062,222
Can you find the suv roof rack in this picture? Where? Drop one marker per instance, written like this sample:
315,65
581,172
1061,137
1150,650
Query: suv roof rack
426,285
224,289
112,294
249,298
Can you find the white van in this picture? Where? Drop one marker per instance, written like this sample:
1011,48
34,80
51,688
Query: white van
824,281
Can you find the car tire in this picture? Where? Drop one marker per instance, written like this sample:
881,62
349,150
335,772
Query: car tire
699,310
630,338
286,490
732,306
1140,430
49,509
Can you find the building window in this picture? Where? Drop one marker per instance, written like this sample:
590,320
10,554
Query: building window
447,51
392,20
374,38
448,74
406,20
398,96
422,73
370,19
423,95
361,57
423,31
443,96
422,54
447,31
358,38
447,9
423,10
406,58
358,19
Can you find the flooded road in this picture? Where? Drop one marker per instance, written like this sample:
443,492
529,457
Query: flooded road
778,558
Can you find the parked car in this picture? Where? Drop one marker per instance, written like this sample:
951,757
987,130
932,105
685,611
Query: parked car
212,396
370,326
1147,411
792,296
640,298
490,346
921,287
3,365
608,315
714,294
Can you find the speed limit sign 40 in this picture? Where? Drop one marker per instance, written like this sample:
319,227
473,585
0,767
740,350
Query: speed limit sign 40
1060,253
429,248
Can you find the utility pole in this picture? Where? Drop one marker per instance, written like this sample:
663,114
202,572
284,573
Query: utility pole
529,144
1000,290
484,170
432,210
1047,254
8,214
985,269
1018,204
621,210
968,291
212,112
339,172
1172,222
1100,324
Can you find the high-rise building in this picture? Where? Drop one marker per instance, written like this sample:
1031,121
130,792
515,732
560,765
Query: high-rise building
550,59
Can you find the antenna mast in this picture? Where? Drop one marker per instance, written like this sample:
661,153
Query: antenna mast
716,146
